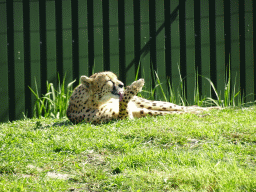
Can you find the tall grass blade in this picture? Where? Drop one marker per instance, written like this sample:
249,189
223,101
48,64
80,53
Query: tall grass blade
137,72
172,97
182,94
160,85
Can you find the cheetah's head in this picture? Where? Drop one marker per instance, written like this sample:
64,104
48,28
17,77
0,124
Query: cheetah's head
103,86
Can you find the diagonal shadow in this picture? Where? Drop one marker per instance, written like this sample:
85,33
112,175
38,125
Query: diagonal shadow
145,50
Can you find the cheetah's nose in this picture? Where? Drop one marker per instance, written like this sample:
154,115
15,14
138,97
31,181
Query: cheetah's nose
121,85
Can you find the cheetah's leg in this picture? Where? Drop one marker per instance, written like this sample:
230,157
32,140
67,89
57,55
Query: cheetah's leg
153,108
139,112
156,105
129,93
166,106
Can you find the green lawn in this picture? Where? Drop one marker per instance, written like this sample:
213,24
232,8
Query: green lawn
214,151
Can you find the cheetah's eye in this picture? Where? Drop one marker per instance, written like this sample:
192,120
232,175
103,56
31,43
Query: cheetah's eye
121,85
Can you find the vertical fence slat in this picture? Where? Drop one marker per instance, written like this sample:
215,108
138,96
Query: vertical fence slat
126,38
10,49
121,38
167,43
145,47
75,40
172,44
98,36
249,69
205,47
19,60
152,43
198,49
137,37
105,20
90,21
220,46
113,37
160,48
175,45
254,45
212,28
130,34
227,33
36,57
51,42
4,112
42,42
242,45
121,43
190,50
27,55
183,47
59,38
235,55
67,41
83,38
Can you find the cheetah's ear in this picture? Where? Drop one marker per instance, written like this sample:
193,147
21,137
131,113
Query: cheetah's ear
86,80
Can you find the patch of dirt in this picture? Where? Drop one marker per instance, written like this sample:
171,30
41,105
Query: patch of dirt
58,175
49,174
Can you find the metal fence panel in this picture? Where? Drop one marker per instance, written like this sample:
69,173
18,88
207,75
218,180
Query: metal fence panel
41,39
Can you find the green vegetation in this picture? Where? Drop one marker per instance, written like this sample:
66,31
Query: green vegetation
55,102
213,151
177,95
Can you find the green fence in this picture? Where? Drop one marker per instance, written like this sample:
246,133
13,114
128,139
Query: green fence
40,39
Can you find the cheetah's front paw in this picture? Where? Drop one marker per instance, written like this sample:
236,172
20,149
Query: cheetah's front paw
134,88
138,84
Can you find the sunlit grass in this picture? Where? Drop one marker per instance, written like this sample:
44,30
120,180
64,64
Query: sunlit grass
214,151
230,96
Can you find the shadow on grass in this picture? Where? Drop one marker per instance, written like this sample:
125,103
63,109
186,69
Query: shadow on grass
62,123
39,125
249,104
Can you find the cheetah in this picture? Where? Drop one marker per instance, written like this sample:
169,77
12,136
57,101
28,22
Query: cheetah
101,98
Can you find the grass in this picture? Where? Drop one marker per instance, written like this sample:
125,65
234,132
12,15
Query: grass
214,151
55,102
177,95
